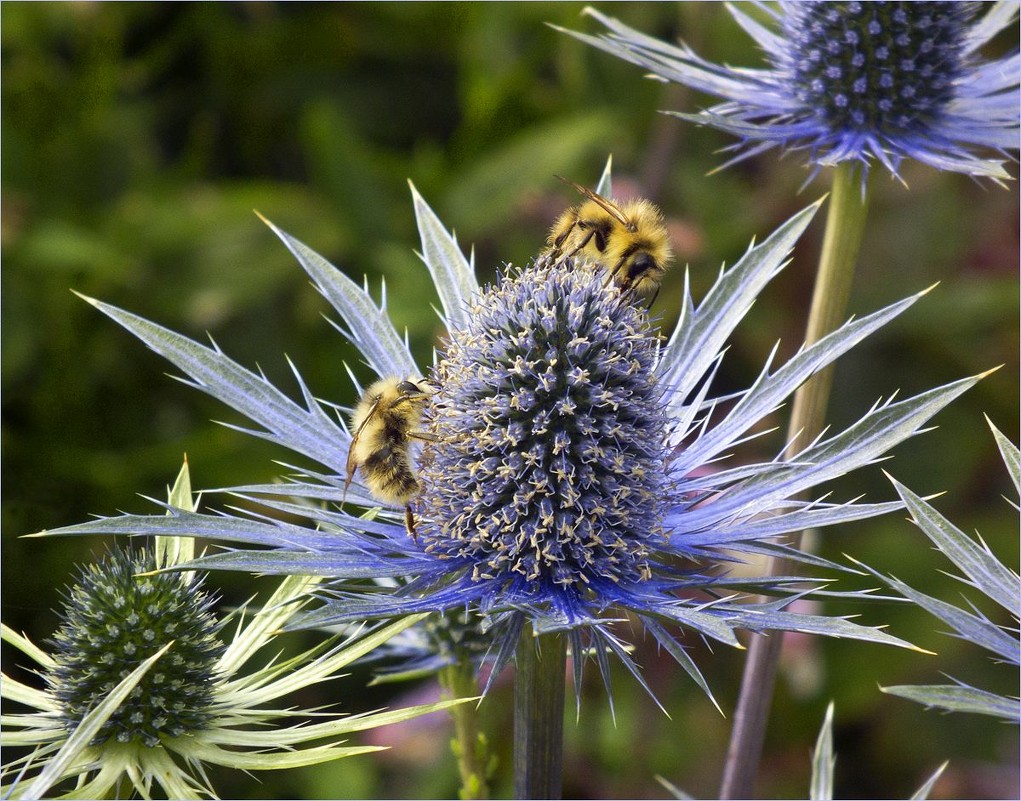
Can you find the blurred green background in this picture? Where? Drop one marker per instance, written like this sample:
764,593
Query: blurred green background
137,140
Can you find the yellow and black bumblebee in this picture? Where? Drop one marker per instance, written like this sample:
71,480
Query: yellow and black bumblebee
385,421
628,239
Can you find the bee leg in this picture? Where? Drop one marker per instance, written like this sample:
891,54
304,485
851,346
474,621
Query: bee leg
610,280
631,297
559,241
654,296
409,523
424,436
581,244
611,274
347,484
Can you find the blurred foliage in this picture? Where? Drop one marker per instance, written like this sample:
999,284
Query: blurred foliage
139,137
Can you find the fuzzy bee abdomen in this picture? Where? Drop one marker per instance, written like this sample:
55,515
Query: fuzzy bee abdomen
388,472
386,463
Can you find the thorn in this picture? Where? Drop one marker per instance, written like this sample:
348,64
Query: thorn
86,298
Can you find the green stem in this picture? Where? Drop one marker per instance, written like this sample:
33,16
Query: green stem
539,716
469,744
845,225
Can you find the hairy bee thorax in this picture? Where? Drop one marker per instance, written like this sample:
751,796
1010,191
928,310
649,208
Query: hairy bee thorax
628,240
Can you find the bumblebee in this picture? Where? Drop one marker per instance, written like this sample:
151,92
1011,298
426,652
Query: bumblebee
384,423
627,239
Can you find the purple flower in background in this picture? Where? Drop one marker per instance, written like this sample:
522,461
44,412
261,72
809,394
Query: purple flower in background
854,81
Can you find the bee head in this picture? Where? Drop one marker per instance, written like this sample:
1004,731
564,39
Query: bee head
641,264
408,388
413,392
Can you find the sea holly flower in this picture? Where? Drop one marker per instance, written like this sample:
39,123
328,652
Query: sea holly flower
145,686
854,81
983,571
566,485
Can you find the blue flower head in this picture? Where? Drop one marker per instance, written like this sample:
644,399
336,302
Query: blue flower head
573,469
549,478
853,81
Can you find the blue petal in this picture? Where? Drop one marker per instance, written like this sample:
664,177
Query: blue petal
859,444
452,274
370,328
770,390
309,431
702,332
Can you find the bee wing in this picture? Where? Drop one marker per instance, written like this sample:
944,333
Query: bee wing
606,205
352,464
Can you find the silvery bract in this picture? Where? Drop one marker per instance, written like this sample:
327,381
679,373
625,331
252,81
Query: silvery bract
982,570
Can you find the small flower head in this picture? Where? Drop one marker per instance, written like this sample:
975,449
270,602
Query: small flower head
548,478
454,636
449,639
113,620
889,68
856,81
142,694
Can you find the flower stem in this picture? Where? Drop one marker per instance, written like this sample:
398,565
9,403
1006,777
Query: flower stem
469,744
539,716
845,225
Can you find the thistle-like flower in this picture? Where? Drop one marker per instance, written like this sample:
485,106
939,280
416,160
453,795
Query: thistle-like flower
562,484
114,617
853,81
143,692
555,421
